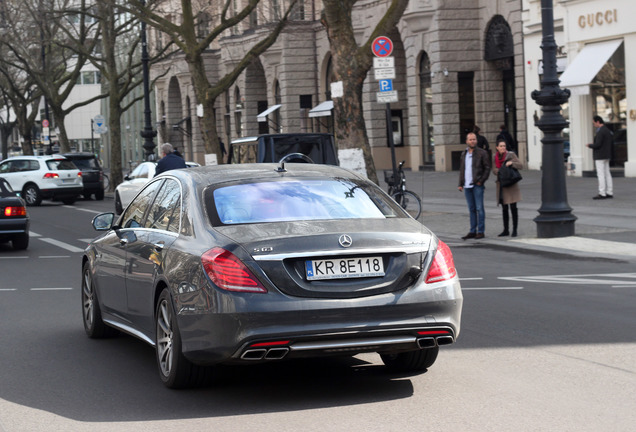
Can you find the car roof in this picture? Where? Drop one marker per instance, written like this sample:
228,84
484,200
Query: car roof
77,154
31,157
216,174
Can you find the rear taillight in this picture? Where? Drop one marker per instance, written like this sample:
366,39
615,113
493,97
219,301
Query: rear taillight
15,211
79,174
229,273
443,266
51,175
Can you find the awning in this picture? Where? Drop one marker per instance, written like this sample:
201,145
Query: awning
262,117
323,109
587,63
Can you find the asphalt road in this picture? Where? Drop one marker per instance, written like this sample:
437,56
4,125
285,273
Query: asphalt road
547,344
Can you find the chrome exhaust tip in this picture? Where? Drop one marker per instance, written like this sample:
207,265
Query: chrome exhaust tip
445,340
276,353
424,343
254,354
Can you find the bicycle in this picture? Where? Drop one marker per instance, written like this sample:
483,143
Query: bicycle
408,200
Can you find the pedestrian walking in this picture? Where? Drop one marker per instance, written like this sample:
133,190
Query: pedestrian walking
169,161
505,135
602,153
482,142
473,172
507,196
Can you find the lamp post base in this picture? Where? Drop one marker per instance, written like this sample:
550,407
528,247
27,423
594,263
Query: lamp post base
552,226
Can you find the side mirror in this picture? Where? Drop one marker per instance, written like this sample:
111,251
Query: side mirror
103,222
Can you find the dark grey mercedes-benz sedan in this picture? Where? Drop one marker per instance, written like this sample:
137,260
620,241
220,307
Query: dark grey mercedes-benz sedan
266,262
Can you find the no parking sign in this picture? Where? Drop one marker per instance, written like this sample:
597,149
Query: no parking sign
382,46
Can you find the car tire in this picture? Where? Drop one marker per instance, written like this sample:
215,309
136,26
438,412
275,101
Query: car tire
94,325
69,201
20,242
175,370
410,361
99,195
118,206
31,194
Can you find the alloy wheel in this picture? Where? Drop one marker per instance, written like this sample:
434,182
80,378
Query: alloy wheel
164,338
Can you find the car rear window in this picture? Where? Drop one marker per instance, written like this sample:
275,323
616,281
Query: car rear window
60,164
86,163
298,200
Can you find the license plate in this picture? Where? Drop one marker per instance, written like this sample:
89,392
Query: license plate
343,268
68,180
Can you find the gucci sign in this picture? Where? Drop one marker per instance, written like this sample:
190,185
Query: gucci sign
598,18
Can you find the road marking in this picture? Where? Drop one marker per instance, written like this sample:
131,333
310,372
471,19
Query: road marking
83,209
491,288
34,234
54,256
585,279
8,289
468,279
51,289
87,241
14,257
63,245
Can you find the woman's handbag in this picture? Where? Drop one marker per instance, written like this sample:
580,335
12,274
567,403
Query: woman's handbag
508,176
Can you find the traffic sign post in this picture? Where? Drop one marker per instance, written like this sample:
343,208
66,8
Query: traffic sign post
384,70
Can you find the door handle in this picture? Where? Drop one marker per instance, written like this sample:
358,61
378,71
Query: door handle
159,246
123,241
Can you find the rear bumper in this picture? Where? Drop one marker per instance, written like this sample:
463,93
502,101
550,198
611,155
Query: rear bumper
67,192
277,326
12,227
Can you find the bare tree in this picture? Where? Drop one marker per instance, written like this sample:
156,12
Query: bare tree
351,65
188,37
119,62
37,40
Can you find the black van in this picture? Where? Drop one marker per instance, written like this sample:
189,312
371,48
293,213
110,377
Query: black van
317,148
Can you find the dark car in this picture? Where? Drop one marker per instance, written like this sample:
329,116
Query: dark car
14,219
92,173
317,148
259,263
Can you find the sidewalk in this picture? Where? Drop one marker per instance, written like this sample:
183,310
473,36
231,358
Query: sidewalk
603,229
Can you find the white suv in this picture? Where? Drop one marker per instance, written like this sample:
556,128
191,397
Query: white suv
43,177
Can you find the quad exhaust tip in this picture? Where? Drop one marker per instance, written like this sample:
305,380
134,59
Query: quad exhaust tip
265,354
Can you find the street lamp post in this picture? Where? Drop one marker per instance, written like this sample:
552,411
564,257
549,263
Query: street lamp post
555,215
148,133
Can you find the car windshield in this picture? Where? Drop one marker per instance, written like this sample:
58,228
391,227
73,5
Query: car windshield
298,200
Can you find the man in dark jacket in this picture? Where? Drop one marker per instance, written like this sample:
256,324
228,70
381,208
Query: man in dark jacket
482,142
473,172
507,138
169,161
602,154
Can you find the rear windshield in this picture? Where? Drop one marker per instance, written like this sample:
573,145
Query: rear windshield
60,165
86,163
298,200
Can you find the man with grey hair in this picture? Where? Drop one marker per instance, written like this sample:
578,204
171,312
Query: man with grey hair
169,161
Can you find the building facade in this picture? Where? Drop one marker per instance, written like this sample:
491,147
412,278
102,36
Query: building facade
459,63
596,40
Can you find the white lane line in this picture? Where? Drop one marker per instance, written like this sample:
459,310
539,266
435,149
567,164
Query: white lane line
63,245
86,240
14,257
623,286
34,234
54,256
475,278
51,289
8,289
83,209
491,288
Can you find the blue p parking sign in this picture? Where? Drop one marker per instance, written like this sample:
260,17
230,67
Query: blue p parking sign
386,85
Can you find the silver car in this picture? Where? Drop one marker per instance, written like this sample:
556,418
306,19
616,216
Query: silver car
266,262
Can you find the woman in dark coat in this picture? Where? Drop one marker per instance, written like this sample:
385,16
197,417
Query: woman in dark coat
510,195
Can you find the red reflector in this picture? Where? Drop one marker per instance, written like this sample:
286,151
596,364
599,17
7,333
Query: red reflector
433,332
266,344
50,175
443,267
14,211
229,273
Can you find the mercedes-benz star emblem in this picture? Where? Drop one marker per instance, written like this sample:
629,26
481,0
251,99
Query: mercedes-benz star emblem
345,240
